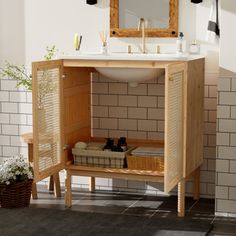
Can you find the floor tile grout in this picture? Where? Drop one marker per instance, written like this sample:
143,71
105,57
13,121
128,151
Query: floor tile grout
193,205
130,206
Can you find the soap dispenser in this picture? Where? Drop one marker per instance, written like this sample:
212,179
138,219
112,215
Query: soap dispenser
180,44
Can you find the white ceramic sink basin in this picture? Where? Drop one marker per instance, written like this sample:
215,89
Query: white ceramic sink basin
131,75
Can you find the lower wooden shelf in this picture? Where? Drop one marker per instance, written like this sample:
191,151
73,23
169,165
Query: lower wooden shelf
141,175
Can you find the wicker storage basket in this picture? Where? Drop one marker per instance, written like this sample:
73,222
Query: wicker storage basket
155,163
16,195
100,158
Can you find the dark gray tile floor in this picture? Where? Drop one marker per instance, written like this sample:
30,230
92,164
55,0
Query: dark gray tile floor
139,205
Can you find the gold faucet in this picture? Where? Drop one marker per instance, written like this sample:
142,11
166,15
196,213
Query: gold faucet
141,23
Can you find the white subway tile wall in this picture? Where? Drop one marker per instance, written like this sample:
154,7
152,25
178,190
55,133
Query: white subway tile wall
118,110
127,124
140,90
232,193
17,96
4,96
8,85
15,117
226,148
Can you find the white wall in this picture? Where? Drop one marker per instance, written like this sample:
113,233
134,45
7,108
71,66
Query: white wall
56,22
12,31
209,49
228,35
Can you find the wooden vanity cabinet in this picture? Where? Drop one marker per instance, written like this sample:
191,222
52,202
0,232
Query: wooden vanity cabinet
62,116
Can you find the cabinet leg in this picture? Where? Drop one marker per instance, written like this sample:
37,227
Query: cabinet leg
51,183
57,186
196,184
34,191
30,159
68,197
92,184
181,198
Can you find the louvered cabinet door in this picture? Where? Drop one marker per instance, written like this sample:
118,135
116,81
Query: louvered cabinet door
174,125
47,118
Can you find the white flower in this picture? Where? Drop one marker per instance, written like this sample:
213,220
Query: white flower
14,167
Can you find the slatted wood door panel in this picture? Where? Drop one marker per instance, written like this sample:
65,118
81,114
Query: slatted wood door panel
47,119
174,125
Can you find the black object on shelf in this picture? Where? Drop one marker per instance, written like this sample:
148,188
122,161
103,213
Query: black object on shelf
123,143
109,144
118,148
196,1
91,2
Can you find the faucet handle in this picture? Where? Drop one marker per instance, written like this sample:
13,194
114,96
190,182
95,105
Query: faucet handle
158,49
129,49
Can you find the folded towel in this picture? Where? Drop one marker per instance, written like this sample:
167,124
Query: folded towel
148,151
213,30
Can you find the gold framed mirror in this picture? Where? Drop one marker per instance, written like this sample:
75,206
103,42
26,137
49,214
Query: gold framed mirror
123,9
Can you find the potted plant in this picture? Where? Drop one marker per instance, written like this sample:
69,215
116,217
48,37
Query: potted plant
16,178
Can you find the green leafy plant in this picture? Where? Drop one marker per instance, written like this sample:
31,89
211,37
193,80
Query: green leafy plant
19,72
51,52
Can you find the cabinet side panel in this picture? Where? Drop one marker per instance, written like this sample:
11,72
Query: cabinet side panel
193,156
77,115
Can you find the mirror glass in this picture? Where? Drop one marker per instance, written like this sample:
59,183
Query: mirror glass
156,16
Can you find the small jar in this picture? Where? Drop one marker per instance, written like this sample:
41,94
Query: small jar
194,47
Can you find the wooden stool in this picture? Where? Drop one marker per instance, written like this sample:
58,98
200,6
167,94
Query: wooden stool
54,179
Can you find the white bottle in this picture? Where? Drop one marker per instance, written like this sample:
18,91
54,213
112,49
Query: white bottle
180,44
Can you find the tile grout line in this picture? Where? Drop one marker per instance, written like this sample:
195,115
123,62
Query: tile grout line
130,206
213,219
193,205
157,210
